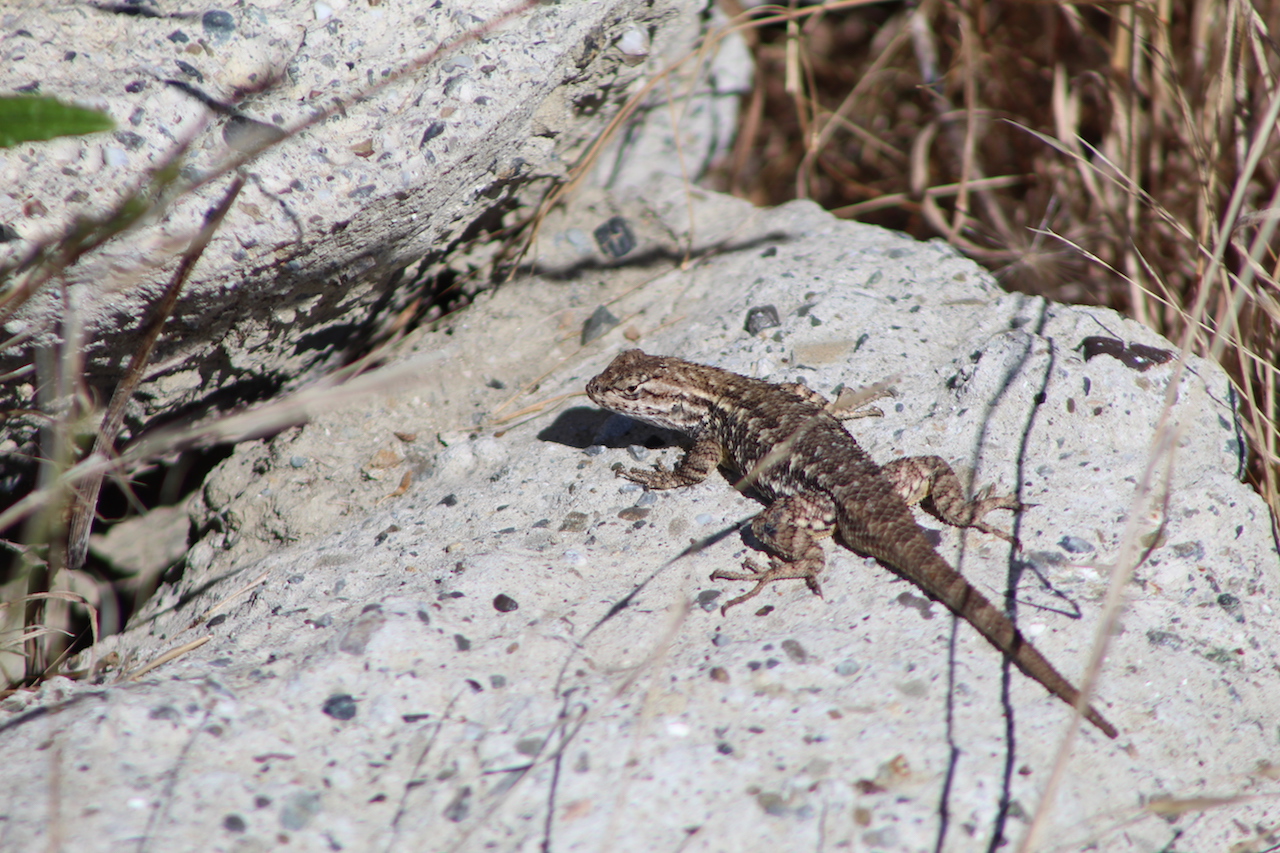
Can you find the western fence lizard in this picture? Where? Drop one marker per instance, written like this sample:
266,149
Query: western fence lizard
817,481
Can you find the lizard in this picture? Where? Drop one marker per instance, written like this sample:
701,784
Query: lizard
818,481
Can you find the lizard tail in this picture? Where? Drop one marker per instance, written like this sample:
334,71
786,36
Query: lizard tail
961,598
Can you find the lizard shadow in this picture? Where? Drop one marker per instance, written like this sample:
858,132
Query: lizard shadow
590,428
584,428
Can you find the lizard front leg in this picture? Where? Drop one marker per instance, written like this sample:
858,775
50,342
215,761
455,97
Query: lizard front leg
789,529
931,482
698,462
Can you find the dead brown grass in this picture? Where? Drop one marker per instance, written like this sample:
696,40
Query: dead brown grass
1112,153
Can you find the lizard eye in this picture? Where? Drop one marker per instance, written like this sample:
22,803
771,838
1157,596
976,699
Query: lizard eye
631,392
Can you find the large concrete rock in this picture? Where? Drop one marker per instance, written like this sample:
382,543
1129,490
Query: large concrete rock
395,667
310,264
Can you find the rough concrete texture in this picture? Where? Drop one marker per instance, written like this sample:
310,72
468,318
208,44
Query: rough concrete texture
416,669
308,266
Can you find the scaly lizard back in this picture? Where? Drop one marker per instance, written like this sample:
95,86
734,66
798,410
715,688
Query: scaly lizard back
788,446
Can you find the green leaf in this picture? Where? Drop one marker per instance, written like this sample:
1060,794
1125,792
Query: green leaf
24,118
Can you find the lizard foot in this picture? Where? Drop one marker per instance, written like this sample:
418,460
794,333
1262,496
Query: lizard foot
983,503
777,571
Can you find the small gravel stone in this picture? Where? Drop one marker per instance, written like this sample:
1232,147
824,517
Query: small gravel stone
189,70
847,667
615,237
795,651
762,317
1074,545
299,809
218,25
579,240
460,806
574,522
340,706
599,323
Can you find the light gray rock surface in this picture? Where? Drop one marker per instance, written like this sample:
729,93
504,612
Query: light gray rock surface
343,227
366,687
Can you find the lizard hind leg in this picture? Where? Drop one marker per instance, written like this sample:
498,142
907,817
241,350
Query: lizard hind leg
917,478
789,529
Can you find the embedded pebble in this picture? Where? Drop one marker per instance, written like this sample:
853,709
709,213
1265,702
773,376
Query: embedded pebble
578,238
574,522
615,237
457,63
599,323
218,25
340,706
795,651
460,806
1074,545
299,809
847,667
760,318
634,46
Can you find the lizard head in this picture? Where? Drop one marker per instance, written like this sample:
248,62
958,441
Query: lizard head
651,388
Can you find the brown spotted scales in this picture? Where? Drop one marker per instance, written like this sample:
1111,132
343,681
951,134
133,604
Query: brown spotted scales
818,481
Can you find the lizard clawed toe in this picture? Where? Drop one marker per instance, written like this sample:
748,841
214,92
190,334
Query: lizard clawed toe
778,570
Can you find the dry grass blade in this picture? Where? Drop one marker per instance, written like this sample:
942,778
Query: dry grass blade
33,632
1149,128
85,497
232,596
172,654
